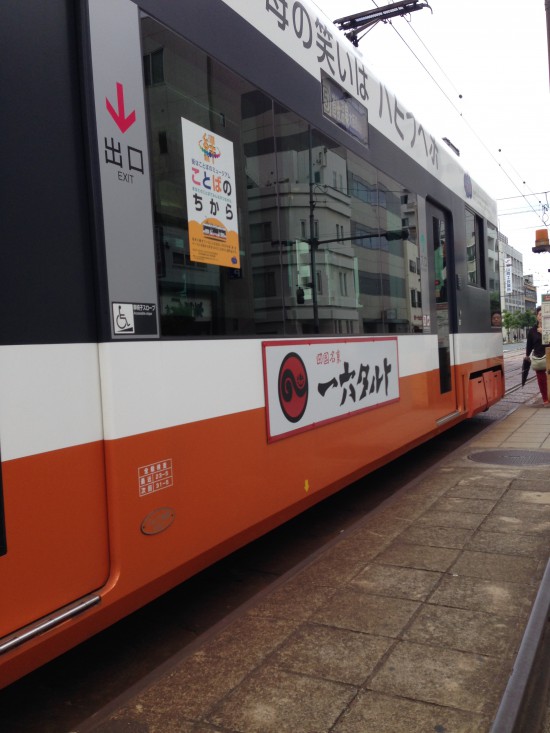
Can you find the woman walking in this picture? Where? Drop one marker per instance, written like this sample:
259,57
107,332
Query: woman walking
534,344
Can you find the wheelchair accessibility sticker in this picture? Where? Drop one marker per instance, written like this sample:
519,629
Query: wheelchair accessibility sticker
135,319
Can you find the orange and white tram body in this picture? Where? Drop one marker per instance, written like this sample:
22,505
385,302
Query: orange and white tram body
236,275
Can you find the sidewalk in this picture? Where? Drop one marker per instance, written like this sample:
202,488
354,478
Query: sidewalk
409,622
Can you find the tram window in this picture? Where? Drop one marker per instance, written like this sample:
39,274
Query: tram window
282,167
200,298
384,249
474,249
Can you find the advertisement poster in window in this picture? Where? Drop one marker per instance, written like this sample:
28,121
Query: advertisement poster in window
211,201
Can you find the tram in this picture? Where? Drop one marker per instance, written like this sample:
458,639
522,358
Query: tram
237,274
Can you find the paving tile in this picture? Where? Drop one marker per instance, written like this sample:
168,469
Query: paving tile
129,725
439,480
534,474
495,566
471,472
293,600
505,599
443,676
493,477
458,504
423,557
383,532
395,512
247,639
380,615
509,543
333,654
388,580
337,566
520,443
200,680
373,712
466,630
469,490
275,701
152,723
451,519
523,510
189,691
422,489
417,499
486,479
488,441
437,536
529,497
531,483
510,523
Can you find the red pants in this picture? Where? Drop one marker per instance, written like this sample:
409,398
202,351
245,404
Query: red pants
541,379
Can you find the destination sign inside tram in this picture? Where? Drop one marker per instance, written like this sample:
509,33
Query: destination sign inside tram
347,112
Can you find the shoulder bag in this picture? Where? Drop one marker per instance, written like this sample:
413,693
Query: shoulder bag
538,363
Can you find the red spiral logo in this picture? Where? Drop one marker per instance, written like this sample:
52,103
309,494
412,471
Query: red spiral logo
293,387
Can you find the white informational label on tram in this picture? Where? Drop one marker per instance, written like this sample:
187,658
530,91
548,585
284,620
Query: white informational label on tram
155,476
309,384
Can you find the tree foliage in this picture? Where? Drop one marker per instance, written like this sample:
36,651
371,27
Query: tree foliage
518,321
527,319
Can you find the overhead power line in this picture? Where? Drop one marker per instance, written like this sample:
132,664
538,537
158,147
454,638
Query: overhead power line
376,15
466,122
539,193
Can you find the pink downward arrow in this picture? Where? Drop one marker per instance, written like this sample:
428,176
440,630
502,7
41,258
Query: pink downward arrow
118,115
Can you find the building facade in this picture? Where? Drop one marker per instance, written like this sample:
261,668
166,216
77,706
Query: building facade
530,293
512,291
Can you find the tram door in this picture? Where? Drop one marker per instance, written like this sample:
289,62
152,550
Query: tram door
53,514
442,297
54,550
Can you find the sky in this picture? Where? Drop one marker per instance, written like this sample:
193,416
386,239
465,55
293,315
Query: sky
477,73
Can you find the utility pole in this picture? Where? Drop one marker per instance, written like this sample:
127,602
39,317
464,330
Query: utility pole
312,239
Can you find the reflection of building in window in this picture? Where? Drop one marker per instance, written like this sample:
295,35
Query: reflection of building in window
153,67
366,271
264,284
440,261
261,232
474,249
